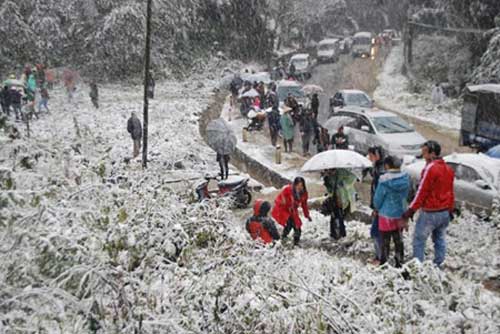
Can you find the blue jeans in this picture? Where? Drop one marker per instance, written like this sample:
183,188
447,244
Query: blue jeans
377,238
435,224
43,103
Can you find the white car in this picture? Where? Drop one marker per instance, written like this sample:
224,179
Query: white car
329,50
477,180
374,127
350,98
303,65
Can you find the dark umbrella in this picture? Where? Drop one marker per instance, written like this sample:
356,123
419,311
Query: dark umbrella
220,137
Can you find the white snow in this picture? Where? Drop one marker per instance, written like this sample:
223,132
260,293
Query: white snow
392,94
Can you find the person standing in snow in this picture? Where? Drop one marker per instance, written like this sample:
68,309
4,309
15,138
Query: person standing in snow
44,100
315,105
376,156
287,129
223,160
340,141
16,99
306,131
134,127
435,199
341,199
94,94
286,208
260,226
5,100
390,201
437,94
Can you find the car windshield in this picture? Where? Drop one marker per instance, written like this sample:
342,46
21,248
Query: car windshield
300,63
296,91
489,176
327,47
391,124
357,99
362,41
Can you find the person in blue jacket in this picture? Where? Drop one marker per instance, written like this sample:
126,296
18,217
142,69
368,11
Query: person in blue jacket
391,201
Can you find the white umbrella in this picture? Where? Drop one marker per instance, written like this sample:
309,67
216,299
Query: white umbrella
311,89
251,93
336,159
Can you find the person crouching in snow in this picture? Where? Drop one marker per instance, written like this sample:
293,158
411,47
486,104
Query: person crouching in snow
390,201
286,208
260,226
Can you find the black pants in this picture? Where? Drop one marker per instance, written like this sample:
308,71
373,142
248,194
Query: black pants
6,109
95,102
288,145
398,245
290,224
224,166
337,223
306,140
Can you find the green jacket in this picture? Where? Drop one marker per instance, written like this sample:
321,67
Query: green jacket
345,192
287,126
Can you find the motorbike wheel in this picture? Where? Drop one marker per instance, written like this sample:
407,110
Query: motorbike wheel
244,199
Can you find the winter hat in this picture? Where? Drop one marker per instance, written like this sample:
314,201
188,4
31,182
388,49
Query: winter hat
265,207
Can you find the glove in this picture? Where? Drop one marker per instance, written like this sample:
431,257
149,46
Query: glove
310,219
452,215
409,214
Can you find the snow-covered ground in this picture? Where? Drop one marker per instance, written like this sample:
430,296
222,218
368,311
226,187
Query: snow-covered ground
91,244
392,93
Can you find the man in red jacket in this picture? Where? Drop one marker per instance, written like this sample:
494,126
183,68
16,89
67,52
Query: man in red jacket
436,200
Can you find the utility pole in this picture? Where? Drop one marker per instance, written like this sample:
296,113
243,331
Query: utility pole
146,82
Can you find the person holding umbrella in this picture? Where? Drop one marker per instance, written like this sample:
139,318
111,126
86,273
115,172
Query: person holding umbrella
341,198
221,138
286,208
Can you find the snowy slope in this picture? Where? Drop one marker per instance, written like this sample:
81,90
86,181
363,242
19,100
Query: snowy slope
392,93
89,243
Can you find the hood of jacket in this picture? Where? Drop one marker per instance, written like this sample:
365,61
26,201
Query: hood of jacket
395,181
261,208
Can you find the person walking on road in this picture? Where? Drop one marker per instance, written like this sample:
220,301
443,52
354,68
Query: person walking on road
273,119
134,127
435,199
286,208
260,226
340,141
341,199
287,129
390,201
315,105
376,156
44,100
306,131
16,100
94,94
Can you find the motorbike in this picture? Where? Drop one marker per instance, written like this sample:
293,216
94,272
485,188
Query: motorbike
256,120
236,190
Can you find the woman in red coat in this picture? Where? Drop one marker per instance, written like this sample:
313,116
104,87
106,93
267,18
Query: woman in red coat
286,208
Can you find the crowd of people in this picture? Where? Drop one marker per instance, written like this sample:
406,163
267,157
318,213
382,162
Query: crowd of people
392,204
258,103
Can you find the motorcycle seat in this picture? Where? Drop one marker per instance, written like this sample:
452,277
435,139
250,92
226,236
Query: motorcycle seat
229,183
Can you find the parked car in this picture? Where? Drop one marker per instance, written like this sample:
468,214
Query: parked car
481,117
371,127
476,179
363,45
303,65
329,50
285,87
350,98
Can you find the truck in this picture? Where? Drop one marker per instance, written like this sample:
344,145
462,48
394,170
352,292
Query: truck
480,128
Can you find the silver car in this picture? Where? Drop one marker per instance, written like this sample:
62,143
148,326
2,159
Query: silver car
373,127
476,178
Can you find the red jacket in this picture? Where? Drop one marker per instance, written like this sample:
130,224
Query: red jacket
286,206
435,192
260,226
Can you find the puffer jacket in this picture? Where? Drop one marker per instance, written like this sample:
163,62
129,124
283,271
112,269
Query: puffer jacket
259,226
391,195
